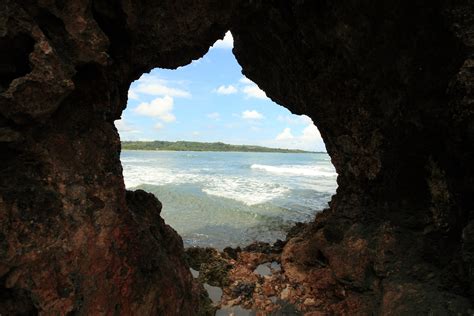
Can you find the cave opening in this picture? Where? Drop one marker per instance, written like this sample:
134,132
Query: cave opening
198,138
390,85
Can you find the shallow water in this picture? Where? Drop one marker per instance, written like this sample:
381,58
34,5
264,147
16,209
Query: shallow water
263,269
214,292
224,199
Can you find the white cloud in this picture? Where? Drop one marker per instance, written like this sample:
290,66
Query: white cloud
306,119
152,85
254,92
311,133
309,139
226,43
214,115
160,108
196,133
230,89
285,135
158,126
251,115
125,127
245,80
251,90
132,95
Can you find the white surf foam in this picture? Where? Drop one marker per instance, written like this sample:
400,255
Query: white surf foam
135,175
246,190
310,171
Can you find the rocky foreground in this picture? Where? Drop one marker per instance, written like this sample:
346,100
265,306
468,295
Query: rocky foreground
262,278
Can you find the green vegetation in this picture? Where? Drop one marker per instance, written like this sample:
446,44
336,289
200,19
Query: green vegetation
198,146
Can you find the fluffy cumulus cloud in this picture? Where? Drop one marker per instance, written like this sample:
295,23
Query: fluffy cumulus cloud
226,43
125,127
309,139
285,135
311,133
251,115
254,92
245,80
152,85
132,95
160,108
245,86
230,89
157,99
251,90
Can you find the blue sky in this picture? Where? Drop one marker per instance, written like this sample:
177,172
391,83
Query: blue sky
210,100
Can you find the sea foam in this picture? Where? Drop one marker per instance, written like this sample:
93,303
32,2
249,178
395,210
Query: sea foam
250,191
297,170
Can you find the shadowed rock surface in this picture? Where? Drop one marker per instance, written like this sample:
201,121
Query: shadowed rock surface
390,85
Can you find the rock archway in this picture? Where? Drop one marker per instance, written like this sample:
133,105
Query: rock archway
390,86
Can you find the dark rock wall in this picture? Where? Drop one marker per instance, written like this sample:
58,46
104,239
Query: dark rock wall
72,240
389,84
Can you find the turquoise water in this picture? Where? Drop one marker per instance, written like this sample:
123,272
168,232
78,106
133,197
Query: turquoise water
224,199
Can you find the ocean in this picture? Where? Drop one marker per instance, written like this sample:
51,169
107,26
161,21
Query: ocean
220,199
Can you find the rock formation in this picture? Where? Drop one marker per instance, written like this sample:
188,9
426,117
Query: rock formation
390,85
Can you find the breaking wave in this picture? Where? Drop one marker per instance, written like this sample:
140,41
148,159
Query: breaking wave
298,170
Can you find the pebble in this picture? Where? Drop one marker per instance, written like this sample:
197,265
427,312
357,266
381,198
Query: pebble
285,294
309,302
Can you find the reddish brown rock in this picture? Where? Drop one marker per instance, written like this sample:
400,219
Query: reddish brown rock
390,84
72,240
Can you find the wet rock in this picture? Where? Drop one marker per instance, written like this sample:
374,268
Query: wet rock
278,246
244,290
213,267
265,248
232,252
296,230
196,256
260,247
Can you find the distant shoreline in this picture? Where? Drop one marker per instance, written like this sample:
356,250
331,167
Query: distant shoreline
202,146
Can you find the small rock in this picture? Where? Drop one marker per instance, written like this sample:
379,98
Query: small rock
309,302
232,252
285,294
243,289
